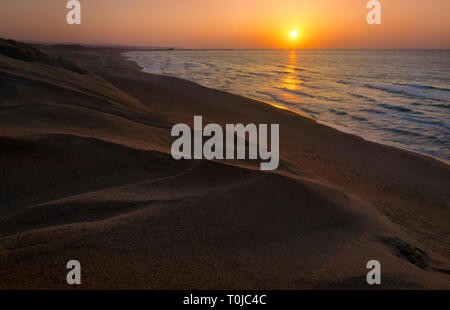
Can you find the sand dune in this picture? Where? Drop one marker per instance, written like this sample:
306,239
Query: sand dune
86,173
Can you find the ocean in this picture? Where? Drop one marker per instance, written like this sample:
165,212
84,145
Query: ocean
396,97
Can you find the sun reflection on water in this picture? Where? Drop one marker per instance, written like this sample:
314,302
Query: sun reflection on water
291,81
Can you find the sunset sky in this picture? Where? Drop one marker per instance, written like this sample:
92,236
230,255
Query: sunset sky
231,23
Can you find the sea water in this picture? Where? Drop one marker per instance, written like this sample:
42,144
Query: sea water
399,97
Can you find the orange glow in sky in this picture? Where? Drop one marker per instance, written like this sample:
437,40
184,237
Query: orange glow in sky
231,23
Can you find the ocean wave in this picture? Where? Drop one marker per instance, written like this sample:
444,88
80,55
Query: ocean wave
426,122
395,107
407,91
334,99
337,112
300,69
345,82
358,118
342,113
280,72
208,64
296,92
444,106
257,73
310,86
420,86
192,65
373,111
403,132
363,97
419,121
296,69
308,111
305,94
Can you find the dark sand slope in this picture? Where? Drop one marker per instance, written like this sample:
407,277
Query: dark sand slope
86,174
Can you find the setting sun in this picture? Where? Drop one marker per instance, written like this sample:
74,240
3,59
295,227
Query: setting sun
294,34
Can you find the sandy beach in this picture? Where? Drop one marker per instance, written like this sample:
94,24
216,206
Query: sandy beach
86,173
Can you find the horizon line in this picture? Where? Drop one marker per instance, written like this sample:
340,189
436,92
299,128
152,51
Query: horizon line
115,45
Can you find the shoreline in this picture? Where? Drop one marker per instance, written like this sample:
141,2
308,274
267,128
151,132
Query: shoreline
329,124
